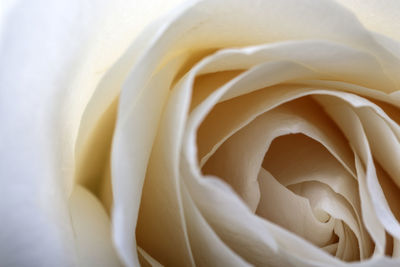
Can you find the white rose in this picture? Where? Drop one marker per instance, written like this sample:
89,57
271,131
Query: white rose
233,133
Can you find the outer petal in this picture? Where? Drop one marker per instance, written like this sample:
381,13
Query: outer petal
33,75
376,15
52,56
92,230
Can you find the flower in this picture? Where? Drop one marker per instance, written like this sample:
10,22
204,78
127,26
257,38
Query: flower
229,133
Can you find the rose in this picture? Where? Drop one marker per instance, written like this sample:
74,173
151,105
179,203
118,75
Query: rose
212,120
215,91
180,204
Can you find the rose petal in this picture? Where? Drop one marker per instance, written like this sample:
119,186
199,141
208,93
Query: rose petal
208,248
375,15
157,221
322,198
92,230
218,126
292,162
37,152
391,191
392,98
371,195
132,145
146,260
291,211
385,146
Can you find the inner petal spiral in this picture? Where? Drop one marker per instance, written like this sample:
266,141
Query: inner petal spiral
242,161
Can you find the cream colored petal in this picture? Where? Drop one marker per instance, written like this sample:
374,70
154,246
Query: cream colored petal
393,98
238,160
322,198
292,160
392,112
161,229
332,248
384,261
207,247
327,65
372,198
396,249
387,106
341,233
326,58
301,153
381,206
346,244
377,16
316,20
392,194
92,230
133,140
298,252
55,55
255,27
161,186
93,159
291,211
110,85
228,117
105,60
40,110
147,260
110,60
104,97
244,230
392,45
104,192
385,146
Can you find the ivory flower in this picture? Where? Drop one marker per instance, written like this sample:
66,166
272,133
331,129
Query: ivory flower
218,133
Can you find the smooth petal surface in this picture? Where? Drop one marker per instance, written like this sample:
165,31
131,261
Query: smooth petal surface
53,55
34,166
378,16
92,230
291,211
